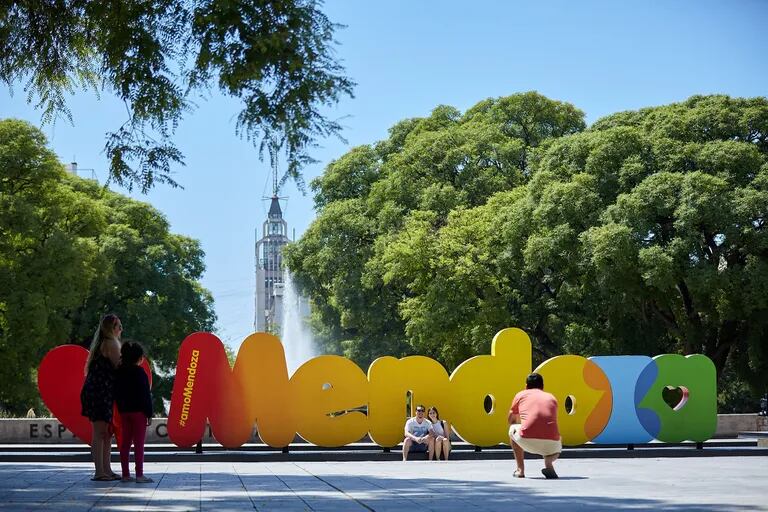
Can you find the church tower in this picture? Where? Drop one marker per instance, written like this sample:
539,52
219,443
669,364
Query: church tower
269,265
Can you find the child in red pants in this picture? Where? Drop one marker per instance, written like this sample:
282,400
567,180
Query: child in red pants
134,401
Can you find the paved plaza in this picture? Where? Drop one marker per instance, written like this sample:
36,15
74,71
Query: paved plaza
707,484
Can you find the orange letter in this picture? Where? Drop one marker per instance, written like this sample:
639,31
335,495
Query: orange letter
590,393
256,391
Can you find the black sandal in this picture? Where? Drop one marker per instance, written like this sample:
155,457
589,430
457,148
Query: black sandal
548,473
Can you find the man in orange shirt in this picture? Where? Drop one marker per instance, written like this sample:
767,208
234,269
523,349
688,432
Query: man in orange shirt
533,426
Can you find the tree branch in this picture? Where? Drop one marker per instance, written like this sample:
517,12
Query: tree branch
667,317
691,313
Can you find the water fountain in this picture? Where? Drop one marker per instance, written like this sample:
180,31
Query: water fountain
294,332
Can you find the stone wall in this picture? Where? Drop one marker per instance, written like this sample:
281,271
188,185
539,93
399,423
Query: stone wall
729,425
50,431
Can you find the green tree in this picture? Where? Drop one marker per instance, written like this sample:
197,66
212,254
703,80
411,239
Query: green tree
150,277
274,57
367,200
46,239
70,251
690,213
643,234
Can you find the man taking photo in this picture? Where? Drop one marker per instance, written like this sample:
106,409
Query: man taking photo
533,426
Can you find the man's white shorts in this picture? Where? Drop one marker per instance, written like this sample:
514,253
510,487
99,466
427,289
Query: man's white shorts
541,447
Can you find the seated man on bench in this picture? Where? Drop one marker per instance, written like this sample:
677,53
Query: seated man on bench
418,436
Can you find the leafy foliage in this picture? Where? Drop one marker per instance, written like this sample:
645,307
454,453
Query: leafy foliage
275,57
71,251
379,207
643,234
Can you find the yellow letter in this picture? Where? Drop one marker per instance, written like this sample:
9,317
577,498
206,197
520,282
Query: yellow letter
325,390
390,380
499,375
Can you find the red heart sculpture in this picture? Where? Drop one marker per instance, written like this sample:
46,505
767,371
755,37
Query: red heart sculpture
60,378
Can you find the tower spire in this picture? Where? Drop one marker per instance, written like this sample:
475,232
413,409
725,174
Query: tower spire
274,174
270,274
274,153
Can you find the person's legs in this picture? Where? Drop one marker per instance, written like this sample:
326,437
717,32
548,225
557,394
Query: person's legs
430,447
438,447
446,447
550,459
97,447
139,436
547,448
107,450
406,447
519,457
549,470
127,438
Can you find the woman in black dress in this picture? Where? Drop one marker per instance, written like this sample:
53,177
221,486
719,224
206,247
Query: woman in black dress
97,395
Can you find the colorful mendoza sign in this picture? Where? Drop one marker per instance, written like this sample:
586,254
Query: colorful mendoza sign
614,399
329,401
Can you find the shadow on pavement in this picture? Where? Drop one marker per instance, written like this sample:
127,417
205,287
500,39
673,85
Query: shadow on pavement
257,487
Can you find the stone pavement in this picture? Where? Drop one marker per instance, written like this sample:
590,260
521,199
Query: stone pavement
705,484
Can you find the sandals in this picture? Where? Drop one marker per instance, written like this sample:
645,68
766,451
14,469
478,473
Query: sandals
549,473
139,479
109,477
105,478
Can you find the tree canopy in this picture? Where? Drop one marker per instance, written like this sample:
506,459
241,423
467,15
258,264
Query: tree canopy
70,251
275,57
395,196
643,234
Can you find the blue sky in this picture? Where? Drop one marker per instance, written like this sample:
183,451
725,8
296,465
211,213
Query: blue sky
408,57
